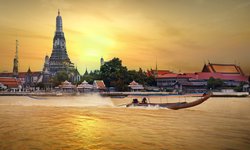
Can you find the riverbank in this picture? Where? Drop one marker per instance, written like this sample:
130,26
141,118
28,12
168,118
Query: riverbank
230,94
123,94
104,94
34,94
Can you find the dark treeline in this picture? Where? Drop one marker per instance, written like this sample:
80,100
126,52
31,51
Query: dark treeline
114,74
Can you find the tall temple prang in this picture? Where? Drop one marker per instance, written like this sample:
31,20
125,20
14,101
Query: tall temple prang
15,62
59,60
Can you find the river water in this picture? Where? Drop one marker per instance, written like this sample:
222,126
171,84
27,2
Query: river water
93,122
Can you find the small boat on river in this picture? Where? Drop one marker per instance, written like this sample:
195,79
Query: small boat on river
174,106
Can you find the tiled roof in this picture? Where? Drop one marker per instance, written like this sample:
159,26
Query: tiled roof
136,86
85,85
161,72
20,74
66,84
10,82
99,84
133,83
219,71
206,76
6,74
170,75
223,68
158,72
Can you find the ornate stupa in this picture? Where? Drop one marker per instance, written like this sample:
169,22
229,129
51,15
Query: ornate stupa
59,59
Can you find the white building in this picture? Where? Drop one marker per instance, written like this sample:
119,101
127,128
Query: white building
85,87
135,86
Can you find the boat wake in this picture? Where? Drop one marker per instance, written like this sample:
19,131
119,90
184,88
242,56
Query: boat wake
148,107
61,101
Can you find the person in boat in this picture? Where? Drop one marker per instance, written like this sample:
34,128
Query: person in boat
135,101
204,94
144,100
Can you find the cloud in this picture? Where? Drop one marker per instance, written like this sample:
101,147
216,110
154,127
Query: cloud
21,33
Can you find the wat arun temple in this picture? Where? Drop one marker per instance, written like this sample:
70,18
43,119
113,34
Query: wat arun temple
59,60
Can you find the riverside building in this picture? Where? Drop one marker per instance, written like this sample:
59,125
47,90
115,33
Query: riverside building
231,74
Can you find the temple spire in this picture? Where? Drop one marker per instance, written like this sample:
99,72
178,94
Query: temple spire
16,50
59,59
59,22
156,68
156,65
15,62
86,71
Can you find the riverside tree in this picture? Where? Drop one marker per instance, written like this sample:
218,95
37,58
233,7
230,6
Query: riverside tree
213,83
115,75
59,78
90,77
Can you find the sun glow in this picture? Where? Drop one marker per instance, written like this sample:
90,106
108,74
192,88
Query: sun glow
96,45
89,45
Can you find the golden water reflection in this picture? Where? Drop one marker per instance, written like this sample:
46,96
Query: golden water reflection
87,129
216,124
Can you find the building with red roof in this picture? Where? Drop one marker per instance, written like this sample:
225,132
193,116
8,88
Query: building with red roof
232,76
26,78
157,72
222,68
99,85
11,83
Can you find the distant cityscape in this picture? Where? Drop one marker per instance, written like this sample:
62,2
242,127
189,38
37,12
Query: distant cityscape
60,74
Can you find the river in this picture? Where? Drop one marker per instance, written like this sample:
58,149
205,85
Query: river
93,122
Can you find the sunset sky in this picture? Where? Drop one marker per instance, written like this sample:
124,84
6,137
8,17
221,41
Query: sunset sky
179,34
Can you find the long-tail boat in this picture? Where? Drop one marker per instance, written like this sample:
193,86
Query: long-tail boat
174,106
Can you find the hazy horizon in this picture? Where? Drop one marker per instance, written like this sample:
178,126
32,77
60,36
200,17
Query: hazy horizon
179,35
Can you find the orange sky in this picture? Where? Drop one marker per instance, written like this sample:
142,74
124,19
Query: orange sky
181,35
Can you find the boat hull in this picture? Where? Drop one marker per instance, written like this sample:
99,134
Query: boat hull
174,106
